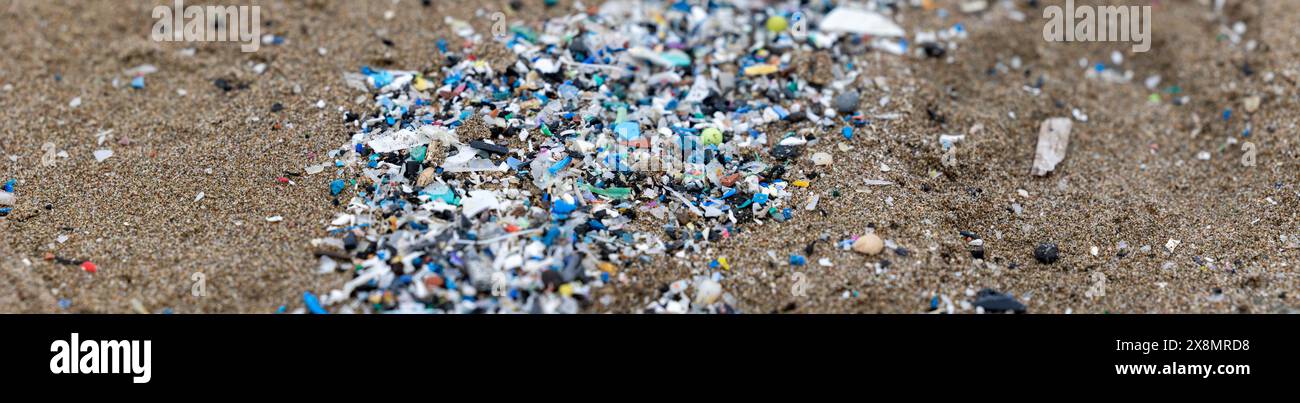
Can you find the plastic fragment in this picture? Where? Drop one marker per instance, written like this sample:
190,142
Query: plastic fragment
313,303
1053,139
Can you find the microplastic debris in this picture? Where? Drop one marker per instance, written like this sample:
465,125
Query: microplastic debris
478,201
1053,138
858,21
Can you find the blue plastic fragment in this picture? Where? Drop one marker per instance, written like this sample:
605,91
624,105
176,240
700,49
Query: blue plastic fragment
781,113
798,260
561,209
628,130
550,236
560,165
137,82
380,78
313,303
337,186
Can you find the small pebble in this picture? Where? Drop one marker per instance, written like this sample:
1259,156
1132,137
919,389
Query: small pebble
847,102
784,153
1251,104
1047,253
868,244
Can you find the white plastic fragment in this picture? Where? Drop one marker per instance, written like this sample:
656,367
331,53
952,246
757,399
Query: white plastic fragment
101,155
793,141
707,292
6,198
860,22
974,6
327,265
141,70
948,140
1053,139
480,200
546,65
397,140
650,56
822,159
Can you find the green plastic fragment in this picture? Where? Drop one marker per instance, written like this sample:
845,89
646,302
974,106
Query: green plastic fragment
678,59
418,153
528,34
711,135
615,193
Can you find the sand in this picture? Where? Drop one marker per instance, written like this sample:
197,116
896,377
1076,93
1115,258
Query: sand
1131,174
